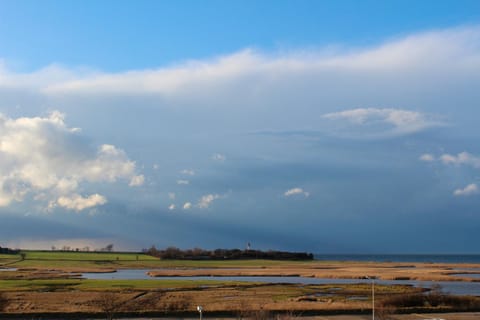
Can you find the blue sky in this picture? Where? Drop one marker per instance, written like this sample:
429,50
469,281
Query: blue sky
124,35
325,126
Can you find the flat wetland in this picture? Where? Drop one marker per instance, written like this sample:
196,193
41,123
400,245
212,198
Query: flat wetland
50,283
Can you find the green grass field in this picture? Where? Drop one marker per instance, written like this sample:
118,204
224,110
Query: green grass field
89,260
84,284
86,256
8,258
62,259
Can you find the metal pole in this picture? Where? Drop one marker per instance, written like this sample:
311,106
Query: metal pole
200,309
373,298
373,295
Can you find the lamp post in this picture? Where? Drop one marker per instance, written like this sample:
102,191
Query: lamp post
373,296
200,309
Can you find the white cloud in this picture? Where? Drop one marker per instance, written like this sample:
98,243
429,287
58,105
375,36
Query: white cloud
188,172
171,195
427,53
463,158
219,157
156,167
401,121
137,181
206,200
443,48
78,203
427,157
296,191
43,157
469,190
183,182
187,205
171,207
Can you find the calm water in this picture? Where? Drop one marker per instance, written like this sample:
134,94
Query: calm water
439,258
468,275
458,288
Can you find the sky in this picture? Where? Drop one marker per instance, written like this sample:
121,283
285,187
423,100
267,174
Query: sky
319,126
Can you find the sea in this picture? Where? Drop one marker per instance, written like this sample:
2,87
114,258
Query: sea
426,258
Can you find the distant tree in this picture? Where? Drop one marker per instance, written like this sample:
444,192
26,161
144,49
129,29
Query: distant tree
197,252
223,254
152,251
109,247
172,253
22,255
54,248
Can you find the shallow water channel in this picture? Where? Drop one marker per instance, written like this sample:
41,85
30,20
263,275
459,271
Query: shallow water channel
452,287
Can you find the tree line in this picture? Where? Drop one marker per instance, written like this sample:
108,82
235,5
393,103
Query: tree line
225,254
8,251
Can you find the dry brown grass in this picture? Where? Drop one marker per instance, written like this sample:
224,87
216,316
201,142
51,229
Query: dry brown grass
213,299
335,270
3,301
255,301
